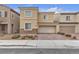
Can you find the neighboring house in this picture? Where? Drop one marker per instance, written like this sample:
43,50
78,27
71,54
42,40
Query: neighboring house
32,21
9,20
69,22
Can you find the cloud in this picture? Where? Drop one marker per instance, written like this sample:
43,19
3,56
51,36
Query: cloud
55,9
16,9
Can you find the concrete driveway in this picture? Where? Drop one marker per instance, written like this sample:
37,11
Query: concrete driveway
51,37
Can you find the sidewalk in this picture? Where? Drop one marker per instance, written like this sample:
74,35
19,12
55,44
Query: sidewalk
60,44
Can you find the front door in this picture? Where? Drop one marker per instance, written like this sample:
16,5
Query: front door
3,28
12,28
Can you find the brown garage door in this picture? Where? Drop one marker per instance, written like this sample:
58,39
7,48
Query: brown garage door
47,30
67,29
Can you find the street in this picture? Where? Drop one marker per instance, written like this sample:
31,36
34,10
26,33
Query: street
39,46
39,51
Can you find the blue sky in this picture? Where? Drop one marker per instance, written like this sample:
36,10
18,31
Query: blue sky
48,7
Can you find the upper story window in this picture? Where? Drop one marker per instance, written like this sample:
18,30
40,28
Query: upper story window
45,17
12,15
27,25
67,18
28,13
0,14
3,14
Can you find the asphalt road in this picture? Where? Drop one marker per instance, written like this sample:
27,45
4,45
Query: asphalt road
39,51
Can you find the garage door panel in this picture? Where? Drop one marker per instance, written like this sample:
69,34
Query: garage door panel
47,30
67,29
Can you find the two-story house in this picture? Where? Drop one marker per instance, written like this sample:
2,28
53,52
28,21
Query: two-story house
28,20
9,20
69,22
32,21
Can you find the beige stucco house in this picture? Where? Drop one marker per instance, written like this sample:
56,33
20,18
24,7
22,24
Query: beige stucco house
28,20
34,22
9,20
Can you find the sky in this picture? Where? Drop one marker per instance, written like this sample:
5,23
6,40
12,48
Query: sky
48,7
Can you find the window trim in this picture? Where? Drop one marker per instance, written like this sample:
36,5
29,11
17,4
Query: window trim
27,11
27,28
67,18
3,13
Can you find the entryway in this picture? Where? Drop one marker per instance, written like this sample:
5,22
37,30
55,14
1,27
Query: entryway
3,28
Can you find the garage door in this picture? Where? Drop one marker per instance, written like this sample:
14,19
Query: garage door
67,29
47,30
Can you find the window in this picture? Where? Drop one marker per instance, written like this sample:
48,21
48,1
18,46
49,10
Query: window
67,18
5,14
3,27
45,17
12,15
28,13
0,14
27,25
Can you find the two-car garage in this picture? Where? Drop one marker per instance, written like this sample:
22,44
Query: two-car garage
52,29
47,29
67,29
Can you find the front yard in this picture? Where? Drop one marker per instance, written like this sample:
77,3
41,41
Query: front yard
59,36
17,36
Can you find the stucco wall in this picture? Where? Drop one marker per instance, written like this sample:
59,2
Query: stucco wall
15,20
49,15
62,18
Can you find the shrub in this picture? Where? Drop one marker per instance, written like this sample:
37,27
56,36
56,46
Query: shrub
15,36
30,37
34,37
23,37
74,37
60,33
68,35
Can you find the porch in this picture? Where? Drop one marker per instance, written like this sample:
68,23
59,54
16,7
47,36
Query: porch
6,28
